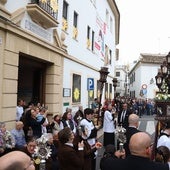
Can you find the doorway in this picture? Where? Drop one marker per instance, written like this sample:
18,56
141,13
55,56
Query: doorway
31,79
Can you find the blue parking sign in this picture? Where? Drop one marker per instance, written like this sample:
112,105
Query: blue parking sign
90,84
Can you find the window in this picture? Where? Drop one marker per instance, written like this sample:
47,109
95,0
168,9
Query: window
65,14
92,43
76,89
107,18
110,91
111,24
75,19
65,10
88,32
110,56
106,91
88,37
118,84
117,74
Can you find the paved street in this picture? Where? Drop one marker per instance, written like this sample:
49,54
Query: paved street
146,124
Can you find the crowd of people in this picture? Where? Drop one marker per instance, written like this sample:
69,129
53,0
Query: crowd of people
72,139
73,142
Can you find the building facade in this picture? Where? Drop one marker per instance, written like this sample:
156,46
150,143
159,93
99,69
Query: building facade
142,76
52,51
122,88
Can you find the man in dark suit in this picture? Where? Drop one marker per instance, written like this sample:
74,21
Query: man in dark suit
68,157
140,148
123,116
131,130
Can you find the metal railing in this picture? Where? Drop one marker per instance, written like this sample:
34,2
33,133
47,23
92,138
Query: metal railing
46,7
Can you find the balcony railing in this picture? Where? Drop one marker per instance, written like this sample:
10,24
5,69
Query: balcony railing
46,6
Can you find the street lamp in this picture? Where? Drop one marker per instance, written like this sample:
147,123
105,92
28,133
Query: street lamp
163,97
162,100
103,79
163,76
114,85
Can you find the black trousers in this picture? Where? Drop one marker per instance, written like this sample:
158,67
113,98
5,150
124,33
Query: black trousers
109,138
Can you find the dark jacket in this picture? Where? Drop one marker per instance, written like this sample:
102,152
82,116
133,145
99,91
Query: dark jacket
125,123
36,126
129,132
69,158
88,152
134,163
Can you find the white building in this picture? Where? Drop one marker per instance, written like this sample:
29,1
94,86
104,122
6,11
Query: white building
142,76
91,37
122,88
52,52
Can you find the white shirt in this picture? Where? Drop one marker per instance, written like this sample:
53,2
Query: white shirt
108,124
88,126
19,112
164,141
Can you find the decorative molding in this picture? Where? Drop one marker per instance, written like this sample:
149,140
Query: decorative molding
64,24
17,16
75,32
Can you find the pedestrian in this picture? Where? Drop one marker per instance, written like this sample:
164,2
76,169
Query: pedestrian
35,125
162,154
19,135
19,109
69,158
88,150
131,130
7,141
57,124
68,121
164,139
110,153
79,115
108,126
123,116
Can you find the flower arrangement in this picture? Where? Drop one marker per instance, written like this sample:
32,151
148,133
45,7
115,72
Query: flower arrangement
162,97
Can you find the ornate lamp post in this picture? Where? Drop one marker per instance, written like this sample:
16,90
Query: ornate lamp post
114,85
163,96
103,79
162,100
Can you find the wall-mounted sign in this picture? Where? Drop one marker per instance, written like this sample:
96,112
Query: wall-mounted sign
66,92
90,84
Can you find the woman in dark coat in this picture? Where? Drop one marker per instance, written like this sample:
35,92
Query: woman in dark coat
35,125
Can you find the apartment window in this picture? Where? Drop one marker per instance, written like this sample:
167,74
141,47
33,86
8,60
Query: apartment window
76,89
110,56
107,18
117,73
88,32
65,10
92,43
118,84
111,24
75,19
110,91
88,37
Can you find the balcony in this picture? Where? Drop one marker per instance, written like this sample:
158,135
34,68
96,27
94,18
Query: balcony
43,13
